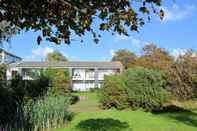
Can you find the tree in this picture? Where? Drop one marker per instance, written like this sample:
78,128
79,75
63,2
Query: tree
126,57
155,58
59,80
56,56
6,31
182,77
58,19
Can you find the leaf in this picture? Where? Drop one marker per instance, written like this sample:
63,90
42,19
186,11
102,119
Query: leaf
144,10
161,14
39,39
103,26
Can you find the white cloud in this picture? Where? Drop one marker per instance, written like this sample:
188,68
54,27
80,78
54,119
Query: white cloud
112,52
133,41
42,51
178,52
177,12
73,58
119,38
136,42
39,52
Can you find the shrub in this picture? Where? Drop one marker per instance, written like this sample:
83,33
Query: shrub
74,99
145,88
59,80
24,90
112,93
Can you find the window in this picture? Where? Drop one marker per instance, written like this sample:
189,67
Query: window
14,74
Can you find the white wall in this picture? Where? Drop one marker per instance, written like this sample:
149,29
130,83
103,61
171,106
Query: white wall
82,79
82,86
9,72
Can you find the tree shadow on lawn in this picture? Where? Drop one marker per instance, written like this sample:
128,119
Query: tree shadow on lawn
106,124
180,114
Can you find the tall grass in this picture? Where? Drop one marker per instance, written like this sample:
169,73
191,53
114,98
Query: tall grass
44,113
47,112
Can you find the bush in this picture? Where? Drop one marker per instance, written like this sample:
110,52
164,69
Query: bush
145,88
112,93
59,80
135,88
74,99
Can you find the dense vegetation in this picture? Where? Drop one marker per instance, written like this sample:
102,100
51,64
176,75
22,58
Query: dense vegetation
179,72
35,104
113,93
151,79
135,88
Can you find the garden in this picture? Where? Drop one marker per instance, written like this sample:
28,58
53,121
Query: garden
147,95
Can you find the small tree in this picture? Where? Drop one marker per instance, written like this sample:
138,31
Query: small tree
182,77
126,57
56,56
59,80
113,93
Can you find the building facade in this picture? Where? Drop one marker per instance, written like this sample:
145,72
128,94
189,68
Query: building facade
84,75
7,58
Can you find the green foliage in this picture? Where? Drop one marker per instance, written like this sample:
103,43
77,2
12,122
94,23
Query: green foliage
47,112
58,19
145,89
27,107
59,80
6,31
8,105
135,88
2,71
182,77
56,56
113,93
25,90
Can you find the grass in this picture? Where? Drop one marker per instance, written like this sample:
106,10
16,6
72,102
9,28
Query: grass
93,119
88,103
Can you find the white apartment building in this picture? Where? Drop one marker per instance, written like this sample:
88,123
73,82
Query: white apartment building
84,75
7,58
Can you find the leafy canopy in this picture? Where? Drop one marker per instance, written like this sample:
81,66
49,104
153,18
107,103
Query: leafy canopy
58,19
56,56
6,31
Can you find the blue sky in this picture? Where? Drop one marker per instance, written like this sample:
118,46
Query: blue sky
176,33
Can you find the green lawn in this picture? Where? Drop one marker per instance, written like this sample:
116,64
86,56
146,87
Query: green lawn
88,103
93,119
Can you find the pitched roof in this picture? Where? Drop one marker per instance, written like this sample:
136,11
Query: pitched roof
2,50
70,64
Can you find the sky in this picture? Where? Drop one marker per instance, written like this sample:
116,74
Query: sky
176,33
